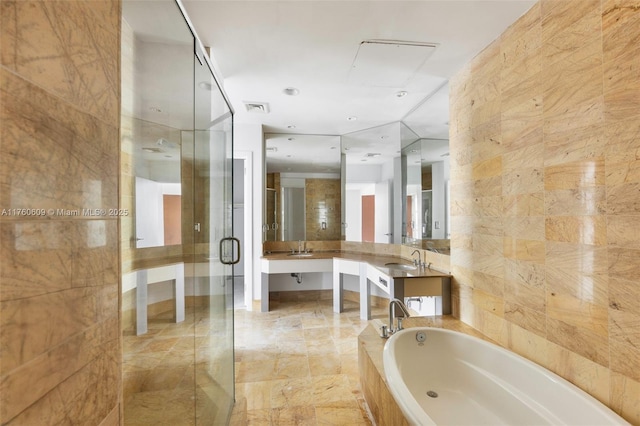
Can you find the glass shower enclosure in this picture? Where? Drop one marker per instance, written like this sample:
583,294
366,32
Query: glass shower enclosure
177,248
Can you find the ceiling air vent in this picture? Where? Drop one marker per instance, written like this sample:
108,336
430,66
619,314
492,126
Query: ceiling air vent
257,107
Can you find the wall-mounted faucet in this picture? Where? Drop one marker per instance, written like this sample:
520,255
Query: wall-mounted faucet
386,331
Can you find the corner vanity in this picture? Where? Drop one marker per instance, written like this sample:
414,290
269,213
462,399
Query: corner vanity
393,276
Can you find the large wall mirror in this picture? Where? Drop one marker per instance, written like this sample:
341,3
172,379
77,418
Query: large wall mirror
394,189
373,177
425,162
157,90
303,189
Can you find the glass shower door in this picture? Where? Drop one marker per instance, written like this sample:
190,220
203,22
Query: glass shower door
214,250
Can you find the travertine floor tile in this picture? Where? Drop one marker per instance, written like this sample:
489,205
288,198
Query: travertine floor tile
295,365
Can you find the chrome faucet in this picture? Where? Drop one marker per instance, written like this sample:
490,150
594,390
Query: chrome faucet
300,246
416,262
392,315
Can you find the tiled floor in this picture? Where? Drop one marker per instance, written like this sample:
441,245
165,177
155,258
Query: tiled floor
295,365
298,364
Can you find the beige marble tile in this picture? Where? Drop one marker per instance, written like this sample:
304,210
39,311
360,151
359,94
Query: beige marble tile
304,415
524,284
585,343
529,345
581,24
32,326
256,395
530,156
584,201
79,66
587,173
488,302
525,318
621,87
625,397
485,142
487,283
291,367
592,230
574,80
624,326
582,372
488,168
341,413
525,228
522,124
522,181
50,176
575,133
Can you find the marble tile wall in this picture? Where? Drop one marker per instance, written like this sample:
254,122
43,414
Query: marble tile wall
322,198
59,270
545,138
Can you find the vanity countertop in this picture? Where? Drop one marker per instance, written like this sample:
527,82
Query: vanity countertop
378,261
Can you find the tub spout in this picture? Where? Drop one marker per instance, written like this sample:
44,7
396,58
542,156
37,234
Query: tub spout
392,314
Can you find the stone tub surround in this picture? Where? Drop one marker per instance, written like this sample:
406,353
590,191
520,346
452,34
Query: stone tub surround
383,407
544,137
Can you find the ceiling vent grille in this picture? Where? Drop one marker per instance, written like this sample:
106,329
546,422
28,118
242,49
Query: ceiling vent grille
257,107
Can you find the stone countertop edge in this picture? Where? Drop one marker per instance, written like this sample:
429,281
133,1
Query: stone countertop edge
375,260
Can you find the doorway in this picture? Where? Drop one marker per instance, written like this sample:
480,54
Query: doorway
368,218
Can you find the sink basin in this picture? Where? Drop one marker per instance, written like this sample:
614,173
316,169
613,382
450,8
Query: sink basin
401,266
300,254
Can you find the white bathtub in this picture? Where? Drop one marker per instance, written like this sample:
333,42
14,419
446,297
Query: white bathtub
479,383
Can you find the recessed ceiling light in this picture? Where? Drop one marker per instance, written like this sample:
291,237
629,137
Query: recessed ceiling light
291,126
352,118
291,91
289,156
291,139
384,137
401,94
334,147
346,148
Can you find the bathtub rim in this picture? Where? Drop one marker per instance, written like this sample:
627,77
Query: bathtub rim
416,415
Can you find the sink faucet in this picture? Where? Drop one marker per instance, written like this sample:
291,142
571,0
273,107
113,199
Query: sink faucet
301,245
392,315
416,262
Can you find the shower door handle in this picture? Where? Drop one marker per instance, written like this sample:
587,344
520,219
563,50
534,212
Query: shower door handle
232,261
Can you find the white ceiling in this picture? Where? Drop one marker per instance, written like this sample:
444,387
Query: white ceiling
263,47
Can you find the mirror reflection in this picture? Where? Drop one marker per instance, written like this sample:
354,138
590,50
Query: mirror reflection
373,176
425,162
155,103
303,189
158,199
427,198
